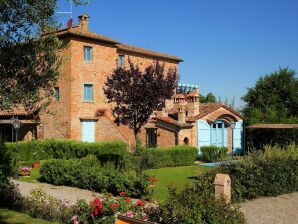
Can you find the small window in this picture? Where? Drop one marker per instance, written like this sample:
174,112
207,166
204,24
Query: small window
186,141
121,61
151,137
87,53
88,92
56,93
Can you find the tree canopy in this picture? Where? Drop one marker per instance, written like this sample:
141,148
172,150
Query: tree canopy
273,99
29,61
209,98
138,93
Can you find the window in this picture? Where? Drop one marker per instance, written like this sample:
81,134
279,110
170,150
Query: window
88,92
56,93
87,53
121,61
151,137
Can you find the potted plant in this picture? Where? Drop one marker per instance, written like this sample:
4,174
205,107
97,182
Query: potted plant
25,171
101,112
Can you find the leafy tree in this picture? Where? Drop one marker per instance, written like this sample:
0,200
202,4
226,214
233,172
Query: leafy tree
29,61
209,98
273,99
138,93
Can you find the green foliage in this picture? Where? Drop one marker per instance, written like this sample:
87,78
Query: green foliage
85,173
269,173
6,167
180,155
209,98
273,99
213,153
193,205
112,153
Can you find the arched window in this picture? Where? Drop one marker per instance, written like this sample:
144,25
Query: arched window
186,141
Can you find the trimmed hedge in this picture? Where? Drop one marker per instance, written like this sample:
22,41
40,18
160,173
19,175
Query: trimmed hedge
180,155
269,173
114,153
85,173
213,153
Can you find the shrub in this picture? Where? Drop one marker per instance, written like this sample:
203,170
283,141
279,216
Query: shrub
112,153
269,173
180,155
213,153
192,205
85,173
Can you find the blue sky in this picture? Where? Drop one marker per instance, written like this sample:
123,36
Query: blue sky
226,44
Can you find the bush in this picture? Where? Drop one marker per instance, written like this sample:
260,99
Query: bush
213,153
269,173
180,155
112,153
193,205
85,173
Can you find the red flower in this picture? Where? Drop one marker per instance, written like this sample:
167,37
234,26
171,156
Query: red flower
115,205
97,207
140,202
127,199
122,194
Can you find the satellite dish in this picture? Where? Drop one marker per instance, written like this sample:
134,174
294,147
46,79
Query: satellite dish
69,23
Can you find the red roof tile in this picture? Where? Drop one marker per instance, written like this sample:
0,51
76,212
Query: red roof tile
273,126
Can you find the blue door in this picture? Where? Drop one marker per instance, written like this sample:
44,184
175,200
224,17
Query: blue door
238,147
88,130
203,134
219,134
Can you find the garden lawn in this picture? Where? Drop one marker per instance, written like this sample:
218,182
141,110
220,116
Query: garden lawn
11,217
34,176
178,176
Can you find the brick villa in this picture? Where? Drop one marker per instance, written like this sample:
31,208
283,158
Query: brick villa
76,110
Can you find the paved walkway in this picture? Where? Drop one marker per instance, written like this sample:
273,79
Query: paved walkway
70,194
270,210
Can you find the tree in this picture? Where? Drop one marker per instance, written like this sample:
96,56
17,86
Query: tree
209,98
29,61
273,99
137,94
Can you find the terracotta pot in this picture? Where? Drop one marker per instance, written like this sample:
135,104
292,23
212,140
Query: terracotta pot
24,173
36,165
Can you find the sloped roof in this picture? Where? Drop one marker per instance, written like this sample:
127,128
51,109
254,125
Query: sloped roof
14,112
143,51
78,32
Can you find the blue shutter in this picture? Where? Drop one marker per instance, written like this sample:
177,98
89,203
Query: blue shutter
238,138
203,134
225,136
88,130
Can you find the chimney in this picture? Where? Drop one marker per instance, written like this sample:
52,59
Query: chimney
83,21
182,115
193,103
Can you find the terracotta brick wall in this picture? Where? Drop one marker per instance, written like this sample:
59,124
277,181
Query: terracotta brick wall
63,121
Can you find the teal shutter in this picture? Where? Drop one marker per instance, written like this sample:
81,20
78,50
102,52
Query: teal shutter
88,131
238,138
203,134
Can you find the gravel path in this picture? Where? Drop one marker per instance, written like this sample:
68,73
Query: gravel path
70,194
272,210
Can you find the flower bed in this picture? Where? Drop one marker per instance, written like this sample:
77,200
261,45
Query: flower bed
25,171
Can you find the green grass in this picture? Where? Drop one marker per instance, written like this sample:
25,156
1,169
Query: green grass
11,217
178,176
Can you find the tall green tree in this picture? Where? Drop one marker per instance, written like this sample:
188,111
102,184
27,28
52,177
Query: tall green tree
29,61
209,98
273,99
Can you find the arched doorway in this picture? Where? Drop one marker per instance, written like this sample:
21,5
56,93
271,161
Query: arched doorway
219,133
